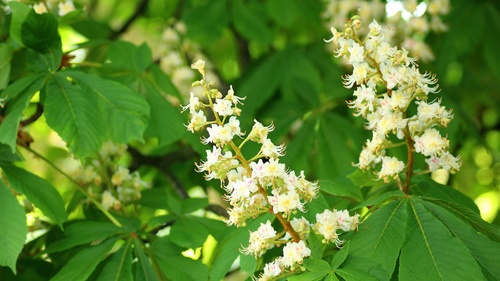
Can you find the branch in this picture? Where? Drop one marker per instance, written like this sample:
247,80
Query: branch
141,8
34,117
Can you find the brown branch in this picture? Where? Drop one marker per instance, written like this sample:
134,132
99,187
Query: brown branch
34,117
141,8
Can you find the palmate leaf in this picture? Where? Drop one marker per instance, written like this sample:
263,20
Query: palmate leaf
80,266
39,191
13,228
74,115
431,252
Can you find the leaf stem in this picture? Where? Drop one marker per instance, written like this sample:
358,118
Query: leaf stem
81,187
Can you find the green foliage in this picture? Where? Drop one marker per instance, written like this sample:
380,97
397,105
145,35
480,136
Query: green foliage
126,85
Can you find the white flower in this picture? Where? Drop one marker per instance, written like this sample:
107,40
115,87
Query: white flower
198,121
66,7
391,167
430,142
271,270
121,174
260,240
40,8
223,107
199,65
270,150
294,253
109,201
259,132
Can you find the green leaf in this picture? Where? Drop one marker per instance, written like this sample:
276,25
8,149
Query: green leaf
248,263
173,264
13,228
470,217
5,58
374,202
360,178
119,266
143,268
283,12
163,82
302,79
190,205
74,115
7,155
431,252
350,274
39,191
249,19
19,86
15,109
128,56
126,112
341,187
333,132
20,12
308,276
81,265
316,245
84,232
485,251
317,265
182,234
426,186
340,256
490,43
206,22
165,121
39,32
259,85
381,236
227,249
298,150
155,198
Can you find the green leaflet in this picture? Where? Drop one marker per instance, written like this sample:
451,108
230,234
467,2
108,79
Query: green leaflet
143,268
431,252
5,58
19,96
173,264
81,265
39,191
182,233
13,228
73,114
91,110
84,232
119,265
380,238
165,121
485,251
341,187
227,249
125,111
249,20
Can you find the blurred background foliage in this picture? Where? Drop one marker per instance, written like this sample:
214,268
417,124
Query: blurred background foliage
273,52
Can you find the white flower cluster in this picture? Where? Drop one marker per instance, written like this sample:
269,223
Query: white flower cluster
63,7
377,65
260,184
408,21
175,52
109,180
